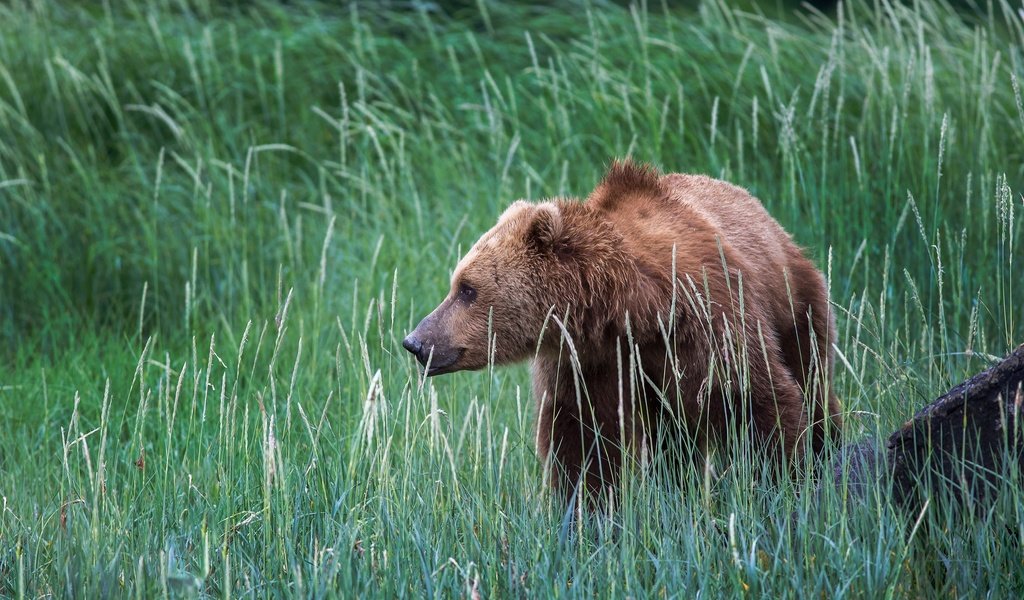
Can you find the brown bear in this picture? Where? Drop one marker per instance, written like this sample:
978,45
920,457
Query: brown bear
661,307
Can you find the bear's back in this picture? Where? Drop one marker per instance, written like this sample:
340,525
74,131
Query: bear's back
694,220
736,216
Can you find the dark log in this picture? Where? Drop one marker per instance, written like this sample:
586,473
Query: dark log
964,442
959,447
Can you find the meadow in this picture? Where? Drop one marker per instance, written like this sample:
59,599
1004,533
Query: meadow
219,220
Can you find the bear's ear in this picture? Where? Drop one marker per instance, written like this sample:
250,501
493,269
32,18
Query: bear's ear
544,231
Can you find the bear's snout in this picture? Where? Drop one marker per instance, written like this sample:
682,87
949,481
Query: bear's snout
436,355
412,344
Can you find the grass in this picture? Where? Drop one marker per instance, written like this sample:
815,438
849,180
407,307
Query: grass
217,223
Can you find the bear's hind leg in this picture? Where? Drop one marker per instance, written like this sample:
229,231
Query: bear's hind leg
806,333
778,410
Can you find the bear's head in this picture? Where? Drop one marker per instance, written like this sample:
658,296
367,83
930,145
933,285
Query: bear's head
502,293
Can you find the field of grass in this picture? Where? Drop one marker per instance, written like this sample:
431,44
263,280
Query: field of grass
217,224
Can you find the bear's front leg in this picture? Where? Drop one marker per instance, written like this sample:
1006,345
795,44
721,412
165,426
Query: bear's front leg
577,439
577,456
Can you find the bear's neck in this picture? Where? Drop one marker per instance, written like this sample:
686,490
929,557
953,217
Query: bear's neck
615,296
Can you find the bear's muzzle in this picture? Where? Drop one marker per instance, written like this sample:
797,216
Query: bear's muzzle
435,355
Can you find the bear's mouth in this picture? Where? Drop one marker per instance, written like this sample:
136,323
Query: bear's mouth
440,363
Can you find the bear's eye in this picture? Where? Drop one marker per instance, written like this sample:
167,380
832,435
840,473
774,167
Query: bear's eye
467,293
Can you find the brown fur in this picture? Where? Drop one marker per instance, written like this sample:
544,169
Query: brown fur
578,286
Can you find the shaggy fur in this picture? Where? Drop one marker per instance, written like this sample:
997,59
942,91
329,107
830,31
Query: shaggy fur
660,307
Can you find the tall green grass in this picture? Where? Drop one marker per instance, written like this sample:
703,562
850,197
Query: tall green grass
216,225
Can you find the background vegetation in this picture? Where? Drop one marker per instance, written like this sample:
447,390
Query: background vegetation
218,221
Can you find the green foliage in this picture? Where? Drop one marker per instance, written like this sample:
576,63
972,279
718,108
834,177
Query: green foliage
217,222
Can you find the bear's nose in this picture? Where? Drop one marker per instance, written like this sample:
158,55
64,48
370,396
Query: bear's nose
412,344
